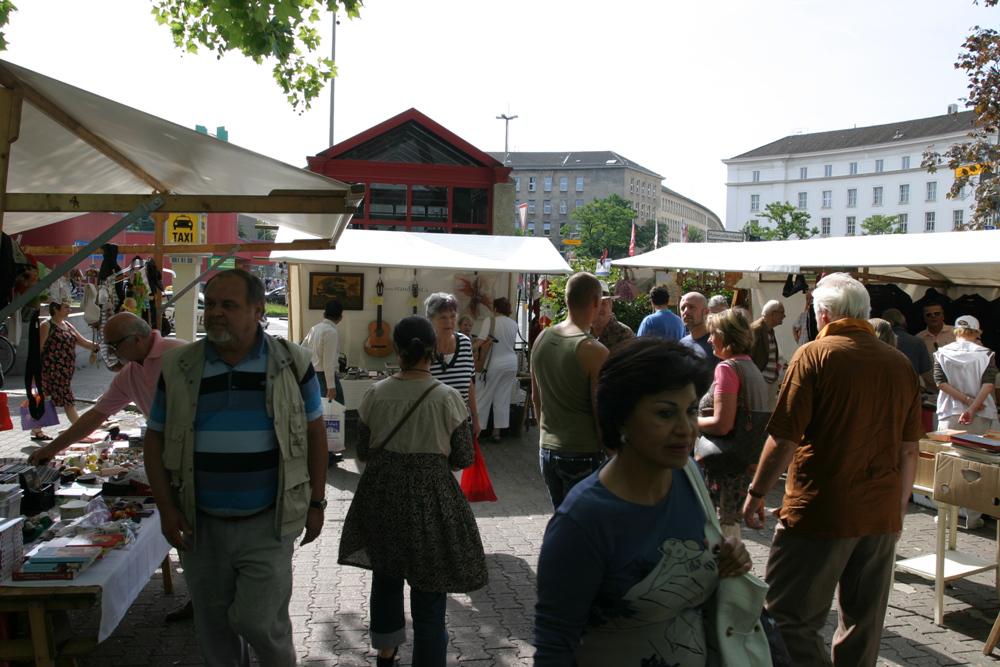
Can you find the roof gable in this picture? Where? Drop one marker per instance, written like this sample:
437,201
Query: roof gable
412,138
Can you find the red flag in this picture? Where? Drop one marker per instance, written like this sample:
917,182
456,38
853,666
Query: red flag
631,244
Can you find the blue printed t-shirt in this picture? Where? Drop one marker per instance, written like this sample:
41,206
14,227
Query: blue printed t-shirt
235,448
663,324
595,584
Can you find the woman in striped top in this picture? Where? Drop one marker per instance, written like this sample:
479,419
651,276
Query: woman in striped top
453,363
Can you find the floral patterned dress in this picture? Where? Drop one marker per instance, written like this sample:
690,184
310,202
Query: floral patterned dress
59,364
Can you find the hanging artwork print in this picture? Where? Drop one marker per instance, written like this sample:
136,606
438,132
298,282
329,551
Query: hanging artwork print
347,288
474,291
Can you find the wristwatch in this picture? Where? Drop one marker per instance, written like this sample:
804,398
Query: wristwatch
755,494
317,504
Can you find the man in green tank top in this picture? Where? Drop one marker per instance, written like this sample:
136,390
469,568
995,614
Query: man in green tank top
565,362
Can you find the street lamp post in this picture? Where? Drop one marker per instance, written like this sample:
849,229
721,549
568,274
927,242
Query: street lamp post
506,134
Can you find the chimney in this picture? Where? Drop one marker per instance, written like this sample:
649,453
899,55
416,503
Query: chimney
952,108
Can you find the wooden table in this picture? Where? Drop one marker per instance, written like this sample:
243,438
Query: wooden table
114,582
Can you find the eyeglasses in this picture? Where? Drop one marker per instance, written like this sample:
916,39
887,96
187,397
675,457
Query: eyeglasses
114,344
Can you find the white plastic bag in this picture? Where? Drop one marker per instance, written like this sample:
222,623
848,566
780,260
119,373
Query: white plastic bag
333,420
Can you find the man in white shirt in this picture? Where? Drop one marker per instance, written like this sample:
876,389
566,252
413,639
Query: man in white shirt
323,341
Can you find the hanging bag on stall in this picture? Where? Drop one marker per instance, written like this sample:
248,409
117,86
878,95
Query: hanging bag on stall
333,420
476,484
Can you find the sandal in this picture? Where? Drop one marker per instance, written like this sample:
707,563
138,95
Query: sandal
41,437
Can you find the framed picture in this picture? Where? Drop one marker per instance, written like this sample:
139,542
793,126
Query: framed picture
347,288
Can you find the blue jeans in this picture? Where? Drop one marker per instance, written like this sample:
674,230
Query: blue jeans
561,472
430,639
321,378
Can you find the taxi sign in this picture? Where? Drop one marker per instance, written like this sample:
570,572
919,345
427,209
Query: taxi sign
572,241
184,229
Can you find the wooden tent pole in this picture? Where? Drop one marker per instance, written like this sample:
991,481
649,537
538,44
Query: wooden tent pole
10,127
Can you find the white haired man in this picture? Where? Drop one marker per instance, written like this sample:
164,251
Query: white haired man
848,421
764,352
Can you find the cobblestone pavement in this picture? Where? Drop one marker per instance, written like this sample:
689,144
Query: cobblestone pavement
492,626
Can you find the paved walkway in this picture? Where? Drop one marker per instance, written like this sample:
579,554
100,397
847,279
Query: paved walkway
493,626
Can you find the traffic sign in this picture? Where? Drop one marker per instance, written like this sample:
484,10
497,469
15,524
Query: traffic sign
572,241
717,236
969,170
228,263
184,229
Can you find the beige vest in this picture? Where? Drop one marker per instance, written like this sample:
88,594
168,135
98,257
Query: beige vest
182,370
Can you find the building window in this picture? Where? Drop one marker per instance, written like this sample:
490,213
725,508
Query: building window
517,184
827,170
532,183
631,185
903,221
851,225
531,207
853,169
827,198
904,193
547,207
755,176
754,202
803,173
388,202
531,229
563,207
824,226
547,184
563,183
578,204
803,200
957,218
929,221
430,204
931,190
852,198
579,183
905,162
879,166
877,195
471,206
547,228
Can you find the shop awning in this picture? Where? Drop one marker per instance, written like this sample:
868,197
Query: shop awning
420,250
958,258
76,143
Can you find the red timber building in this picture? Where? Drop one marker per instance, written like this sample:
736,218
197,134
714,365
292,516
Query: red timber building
421,177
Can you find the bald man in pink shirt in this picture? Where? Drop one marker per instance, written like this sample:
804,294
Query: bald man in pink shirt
134,341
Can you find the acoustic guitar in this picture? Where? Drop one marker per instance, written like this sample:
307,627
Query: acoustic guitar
379,342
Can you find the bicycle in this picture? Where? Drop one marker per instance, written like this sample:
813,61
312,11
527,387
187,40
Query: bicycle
8,351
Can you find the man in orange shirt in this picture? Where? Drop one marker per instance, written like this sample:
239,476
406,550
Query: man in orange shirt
848,421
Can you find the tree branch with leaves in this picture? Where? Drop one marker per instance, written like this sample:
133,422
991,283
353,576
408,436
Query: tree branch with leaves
788,222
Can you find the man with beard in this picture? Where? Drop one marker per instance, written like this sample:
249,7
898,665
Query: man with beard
236,457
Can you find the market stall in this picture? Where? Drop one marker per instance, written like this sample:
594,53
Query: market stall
409,266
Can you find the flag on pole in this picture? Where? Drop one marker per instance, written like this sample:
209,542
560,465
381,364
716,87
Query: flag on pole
522,213
656,234
631,244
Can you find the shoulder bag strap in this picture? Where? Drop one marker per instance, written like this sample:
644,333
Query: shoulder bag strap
409,412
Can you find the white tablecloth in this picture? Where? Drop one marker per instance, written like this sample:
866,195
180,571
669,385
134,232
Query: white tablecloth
121,574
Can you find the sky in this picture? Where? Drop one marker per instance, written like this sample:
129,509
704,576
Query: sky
674,86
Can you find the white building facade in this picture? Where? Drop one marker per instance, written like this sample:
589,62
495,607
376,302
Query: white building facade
845,176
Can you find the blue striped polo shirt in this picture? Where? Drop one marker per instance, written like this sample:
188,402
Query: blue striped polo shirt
236,451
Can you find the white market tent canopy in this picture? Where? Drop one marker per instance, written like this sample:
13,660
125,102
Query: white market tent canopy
421,250
74,142
956,258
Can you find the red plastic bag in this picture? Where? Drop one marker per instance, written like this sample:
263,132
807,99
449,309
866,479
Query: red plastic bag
476,484
5,422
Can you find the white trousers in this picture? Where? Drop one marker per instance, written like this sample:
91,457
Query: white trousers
495,393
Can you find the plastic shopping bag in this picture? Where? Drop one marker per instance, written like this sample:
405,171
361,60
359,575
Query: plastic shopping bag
5,423
333,420
476,484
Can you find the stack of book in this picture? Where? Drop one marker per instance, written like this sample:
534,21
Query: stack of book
11,546
981,447
106,541
62,562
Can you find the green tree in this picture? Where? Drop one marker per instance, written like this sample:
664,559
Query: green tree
695,235
607,224
283,31
980,59
788,221
627,312
881,224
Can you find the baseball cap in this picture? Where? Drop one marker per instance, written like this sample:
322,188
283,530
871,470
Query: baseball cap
606,291
967,322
